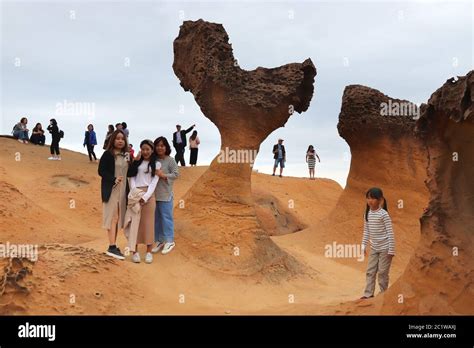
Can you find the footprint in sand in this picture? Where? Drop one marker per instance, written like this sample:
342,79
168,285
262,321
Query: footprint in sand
67,181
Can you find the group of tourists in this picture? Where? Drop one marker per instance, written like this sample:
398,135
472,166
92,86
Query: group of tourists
137,195
279,155
21,132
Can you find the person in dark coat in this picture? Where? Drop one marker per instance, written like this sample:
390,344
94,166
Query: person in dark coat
179,143
56,137
279,155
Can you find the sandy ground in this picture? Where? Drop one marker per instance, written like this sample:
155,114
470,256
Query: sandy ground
56,204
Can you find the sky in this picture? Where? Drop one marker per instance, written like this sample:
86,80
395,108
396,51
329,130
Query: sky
112,60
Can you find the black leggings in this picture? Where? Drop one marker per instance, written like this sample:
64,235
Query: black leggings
90,151
54,147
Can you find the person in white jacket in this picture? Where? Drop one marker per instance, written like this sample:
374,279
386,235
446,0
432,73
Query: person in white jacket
142,176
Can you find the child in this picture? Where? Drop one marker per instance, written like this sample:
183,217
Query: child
113,167
378,230
56,137
142,176
311,160
90,140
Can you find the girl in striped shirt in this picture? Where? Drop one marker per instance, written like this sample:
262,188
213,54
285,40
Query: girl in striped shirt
378,231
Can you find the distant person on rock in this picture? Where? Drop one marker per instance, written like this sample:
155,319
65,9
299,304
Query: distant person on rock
37,135
131,151
107,136
279,155
179,143
20,131
113,168
379,232
194,147
164,222
125,129
311,156
56,136
90,140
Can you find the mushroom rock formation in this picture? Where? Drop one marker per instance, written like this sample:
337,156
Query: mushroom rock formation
386,154
218,223
440,276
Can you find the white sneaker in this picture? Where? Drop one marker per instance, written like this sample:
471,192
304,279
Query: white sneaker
168,247
148,258
52,158
136,258
157,248
58,158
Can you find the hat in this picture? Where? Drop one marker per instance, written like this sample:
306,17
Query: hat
280,139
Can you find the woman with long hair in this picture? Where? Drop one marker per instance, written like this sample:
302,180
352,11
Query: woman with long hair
113,167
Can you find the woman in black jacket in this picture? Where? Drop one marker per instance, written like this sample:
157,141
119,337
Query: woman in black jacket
56,137
113,167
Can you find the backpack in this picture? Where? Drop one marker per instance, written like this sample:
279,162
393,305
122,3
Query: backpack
61,134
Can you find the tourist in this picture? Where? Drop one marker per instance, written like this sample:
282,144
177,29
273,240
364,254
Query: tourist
179,143
113,167
37,135
311,156
193,147
56,136
378,231
90,140
143,176
279,155
20,131
164,223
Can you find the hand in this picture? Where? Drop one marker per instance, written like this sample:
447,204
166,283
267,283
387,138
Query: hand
138,156
161,175
194,125
118,180
391,255
141,201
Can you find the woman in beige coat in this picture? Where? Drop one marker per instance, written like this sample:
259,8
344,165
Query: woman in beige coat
113,167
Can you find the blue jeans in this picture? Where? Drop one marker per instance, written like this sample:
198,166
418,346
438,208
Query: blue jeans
281,161
22,135
164,223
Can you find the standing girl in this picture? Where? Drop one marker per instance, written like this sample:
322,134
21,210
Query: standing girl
193,146
143,176
311,160
90,140
164,223
56,137
113,167
378,230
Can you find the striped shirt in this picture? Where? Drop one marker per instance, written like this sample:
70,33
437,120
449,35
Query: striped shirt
378,230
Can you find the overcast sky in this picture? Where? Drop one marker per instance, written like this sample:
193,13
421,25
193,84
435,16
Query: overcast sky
117,58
